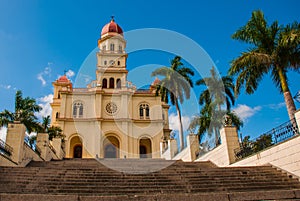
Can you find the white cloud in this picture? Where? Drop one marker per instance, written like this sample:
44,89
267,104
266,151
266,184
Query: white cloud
5,86
45,73
276,106
40,77
3,131
174,122
245,112
44,102
70,73
31,134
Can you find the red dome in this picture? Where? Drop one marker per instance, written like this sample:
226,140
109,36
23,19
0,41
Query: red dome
63,79
155,82
111,27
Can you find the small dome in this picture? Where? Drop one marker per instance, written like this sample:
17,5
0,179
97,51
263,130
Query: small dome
111,27
63,79
155,82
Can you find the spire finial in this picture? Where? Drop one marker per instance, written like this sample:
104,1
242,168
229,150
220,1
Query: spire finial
65,72
112,18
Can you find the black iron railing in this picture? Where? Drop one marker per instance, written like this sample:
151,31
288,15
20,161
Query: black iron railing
270,138
5,148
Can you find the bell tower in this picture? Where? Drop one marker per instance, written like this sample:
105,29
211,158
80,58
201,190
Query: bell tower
111,70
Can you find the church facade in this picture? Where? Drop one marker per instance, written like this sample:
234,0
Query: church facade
110,118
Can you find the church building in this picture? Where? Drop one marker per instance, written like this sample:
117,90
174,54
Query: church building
110,118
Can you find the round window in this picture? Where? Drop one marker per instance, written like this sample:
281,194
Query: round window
111,108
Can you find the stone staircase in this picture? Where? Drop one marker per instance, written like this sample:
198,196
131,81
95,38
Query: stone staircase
145,179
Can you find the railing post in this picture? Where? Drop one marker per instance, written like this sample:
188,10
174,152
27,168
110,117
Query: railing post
42,142
297,117
15,138
193,145
230,140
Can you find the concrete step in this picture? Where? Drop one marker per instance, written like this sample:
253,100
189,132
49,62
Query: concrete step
133,177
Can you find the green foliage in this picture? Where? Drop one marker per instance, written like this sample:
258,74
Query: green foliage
262,142
24,113
55,132
31,140
175,86
219,91
250,147
273,49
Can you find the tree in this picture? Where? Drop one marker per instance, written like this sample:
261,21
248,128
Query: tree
55,131
31,140
175,85
219,91
262,142
46,123
24,113
274,49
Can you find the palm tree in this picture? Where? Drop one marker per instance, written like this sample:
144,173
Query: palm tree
55,131
176,84
220,91
273,49
24,113
45,123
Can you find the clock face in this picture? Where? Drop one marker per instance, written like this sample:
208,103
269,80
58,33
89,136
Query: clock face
111,108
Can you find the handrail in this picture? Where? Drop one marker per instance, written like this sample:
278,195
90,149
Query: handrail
274,136
5,148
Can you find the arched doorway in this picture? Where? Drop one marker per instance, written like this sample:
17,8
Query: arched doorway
111,147
77,151
75,147
145,148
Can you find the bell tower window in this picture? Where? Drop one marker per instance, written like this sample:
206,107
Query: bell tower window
119,83
112,47
111,83
144,111
104,83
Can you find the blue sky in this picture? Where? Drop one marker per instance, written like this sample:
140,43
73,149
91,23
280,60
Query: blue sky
40,39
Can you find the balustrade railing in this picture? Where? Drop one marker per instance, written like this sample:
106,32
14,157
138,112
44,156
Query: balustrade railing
5,148
279,134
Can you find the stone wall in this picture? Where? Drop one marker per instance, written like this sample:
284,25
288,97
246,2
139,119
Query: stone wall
285,155
6,161
223,155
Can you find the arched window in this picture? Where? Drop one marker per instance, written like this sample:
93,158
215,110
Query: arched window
119,63
105,62
144,111
58,96
119,83
104,83
111,83
112,47
57,115
77,110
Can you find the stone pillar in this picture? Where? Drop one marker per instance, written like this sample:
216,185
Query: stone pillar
297,117
42,142
170,152
230,140
56,143
15,138
193,144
